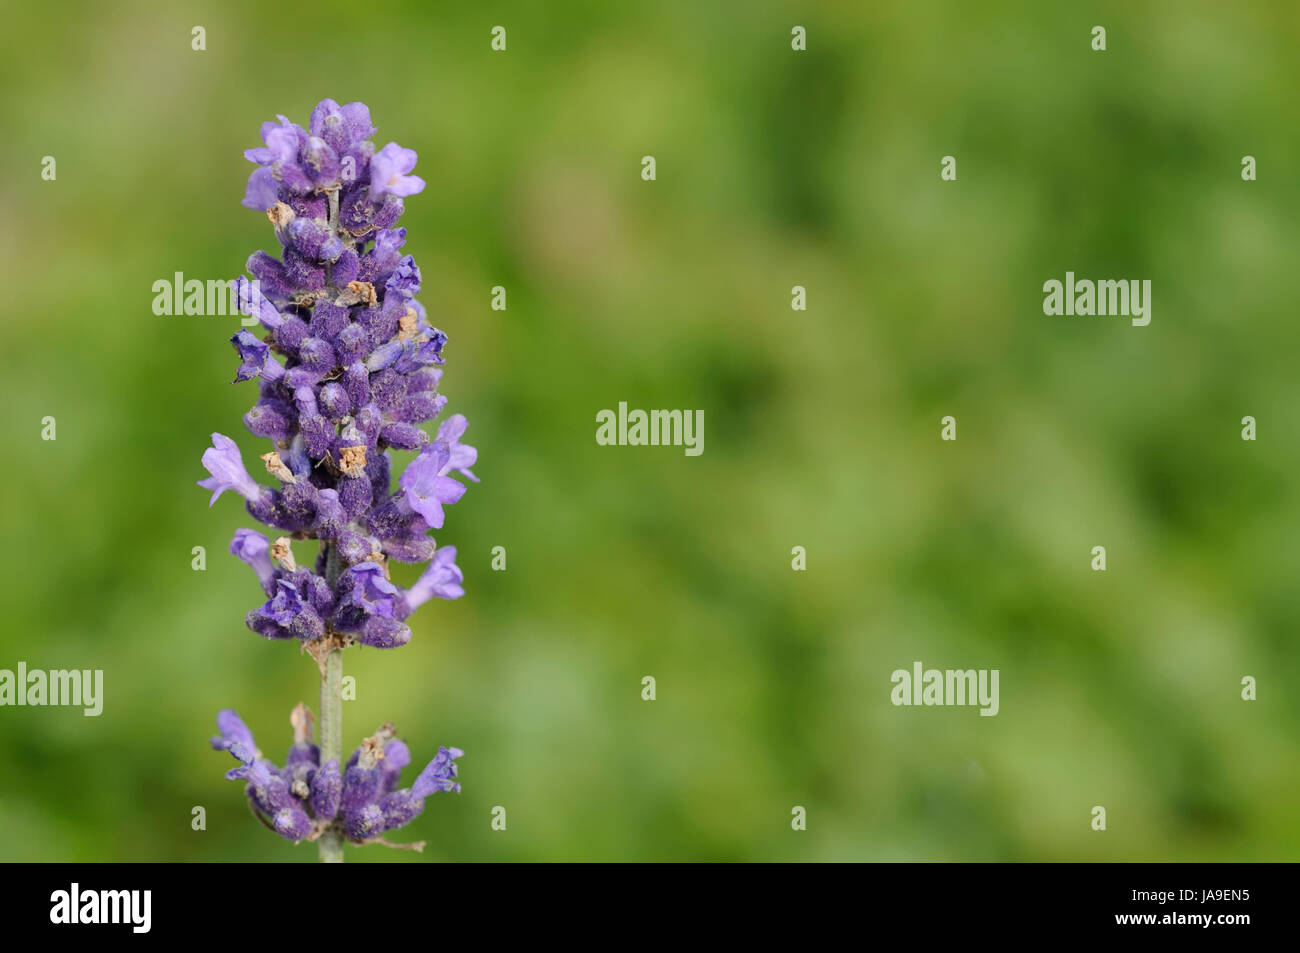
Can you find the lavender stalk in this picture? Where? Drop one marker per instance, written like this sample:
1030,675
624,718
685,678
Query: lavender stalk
331,740
360,372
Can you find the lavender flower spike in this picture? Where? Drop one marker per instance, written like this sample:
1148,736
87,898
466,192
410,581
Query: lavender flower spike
347,368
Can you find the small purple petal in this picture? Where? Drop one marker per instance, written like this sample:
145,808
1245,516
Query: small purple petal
254,548
253,303
396,756
442,579
326,790
400,808
292,823
235,737
360,787
255,358
381,632
427,487
439,774
262,192
225,464
365,823
388,172
462,455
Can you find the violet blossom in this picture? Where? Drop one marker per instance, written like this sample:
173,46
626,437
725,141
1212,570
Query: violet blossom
305,799
347,367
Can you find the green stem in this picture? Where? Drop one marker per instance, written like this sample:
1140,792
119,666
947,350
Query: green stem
331,740
331,712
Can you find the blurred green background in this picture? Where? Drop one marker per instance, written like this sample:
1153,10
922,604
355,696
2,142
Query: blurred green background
775,168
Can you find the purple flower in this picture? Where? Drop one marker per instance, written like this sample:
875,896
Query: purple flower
255,304
427,487
348,368
405,279
326,790
235,737
364,823
292,823
272,797
255,359
438,775
461,455
321,163
280,154
396,756
342,127
301,800
389,170
407,357
281,143
400,807
360,787
297,609
285,605
384,356
369,606
254,548
330,515
369,804
261,191
381,632
418,354
378,263
367,589
441,579
225,464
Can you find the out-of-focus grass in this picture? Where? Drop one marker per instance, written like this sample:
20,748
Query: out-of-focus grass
822,428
